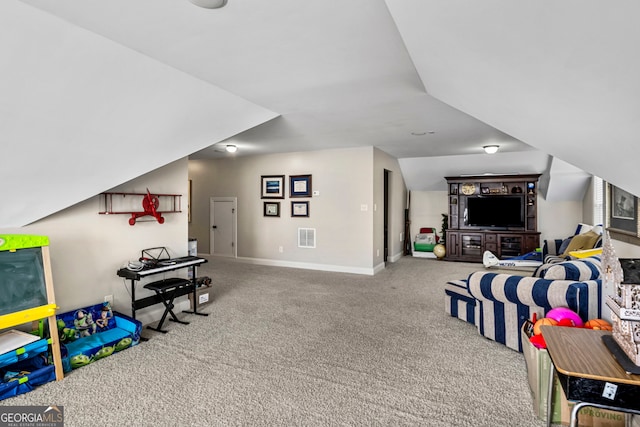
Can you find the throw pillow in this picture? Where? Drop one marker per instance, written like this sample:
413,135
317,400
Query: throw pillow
583,228
579,270
564,245
582,241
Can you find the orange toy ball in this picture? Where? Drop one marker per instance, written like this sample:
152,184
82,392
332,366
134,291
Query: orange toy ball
598,324
542,322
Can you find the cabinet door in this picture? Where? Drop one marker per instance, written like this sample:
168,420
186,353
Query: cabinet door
510,245
531,242
471,245
491,243
452,244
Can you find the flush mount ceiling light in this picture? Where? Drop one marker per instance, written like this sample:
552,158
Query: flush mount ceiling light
209,4
231,148
491,149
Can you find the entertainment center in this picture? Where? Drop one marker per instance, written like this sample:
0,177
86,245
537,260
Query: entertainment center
496,213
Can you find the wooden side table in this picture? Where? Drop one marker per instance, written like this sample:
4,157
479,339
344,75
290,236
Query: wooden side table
588,372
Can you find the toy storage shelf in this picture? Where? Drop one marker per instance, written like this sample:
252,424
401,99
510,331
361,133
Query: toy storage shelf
24,359
27,295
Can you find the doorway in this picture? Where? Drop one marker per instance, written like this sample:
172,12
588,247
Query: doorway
387,180
223,226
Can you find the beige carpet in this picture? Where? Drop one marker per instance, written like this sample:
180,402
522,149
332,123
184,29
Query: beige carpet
288,347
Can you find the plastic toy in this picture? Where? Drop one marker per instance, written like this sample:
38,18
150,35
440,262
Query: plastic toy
598,324
560,313
542,322
538,341
528,260
566,322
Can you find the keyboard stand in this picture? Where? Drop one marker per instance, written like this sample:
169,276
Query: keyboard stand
166,289
189,262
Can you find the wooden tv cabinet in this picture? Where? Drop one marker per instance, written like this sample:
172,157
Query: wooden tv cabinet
466,242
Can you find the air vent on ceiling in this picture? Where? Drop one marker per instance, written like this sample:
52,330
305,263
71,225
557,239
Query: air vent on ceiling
306,237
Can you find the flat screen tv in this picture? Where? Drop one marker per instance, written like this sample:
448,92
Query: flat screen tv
495,211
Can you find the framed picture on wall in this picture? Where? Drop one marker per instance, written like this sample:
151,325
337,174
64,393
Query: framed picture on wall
272,186
300,186
300,209
622,209
271,208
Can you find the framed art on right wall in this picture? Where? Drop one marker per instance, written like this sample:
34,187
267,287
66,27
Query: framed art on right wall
622,211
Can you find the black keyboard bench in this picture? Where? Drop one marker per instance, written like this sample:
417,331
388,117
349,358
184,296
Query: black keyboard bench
167,289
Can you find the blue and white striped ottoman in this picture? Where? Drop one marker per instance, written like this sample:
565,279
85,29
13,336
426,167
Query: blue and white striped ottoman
459,302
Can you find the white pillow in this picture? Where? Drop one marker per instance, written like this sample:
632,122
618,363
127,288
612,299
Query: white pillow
583,228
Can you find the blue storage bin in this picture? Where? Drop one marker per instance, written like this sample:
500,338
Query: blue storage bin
22,376
23,353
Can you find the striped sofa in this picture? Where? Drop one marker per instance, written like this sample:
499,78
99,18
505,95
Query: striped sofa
498,304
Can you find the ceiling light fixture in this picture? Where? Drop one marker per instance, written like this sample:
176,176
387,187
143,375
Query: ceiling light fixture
231,148
209,4
491,149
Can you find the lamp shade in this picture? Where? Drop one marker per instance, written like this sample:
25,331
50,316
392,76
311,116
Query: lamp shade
209,4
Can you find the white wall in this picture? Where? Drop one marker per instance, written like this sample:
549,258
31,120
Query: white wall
87,249
558,220
70,94
345,232
426,210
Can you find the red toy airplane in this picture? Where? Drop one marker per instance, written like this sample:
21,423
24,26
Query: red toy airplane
150,205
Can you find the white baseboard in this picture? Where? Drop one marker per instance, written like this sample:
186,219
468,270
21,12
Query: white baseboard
322,267
308,266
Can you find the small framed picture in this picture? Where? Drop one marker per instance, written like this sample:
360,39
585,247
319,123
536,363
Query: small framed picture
300,186
271,208
484,190
300,209
272,186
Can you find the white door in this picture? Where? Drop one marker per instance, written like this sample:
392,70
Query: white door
222,220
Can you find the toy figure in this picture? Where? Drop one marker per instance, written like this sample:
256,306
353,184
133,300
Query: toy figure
84,323
105,315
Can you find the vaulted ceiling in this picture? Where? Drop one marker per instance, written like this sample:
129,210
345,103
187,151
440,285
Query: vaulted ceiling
95,93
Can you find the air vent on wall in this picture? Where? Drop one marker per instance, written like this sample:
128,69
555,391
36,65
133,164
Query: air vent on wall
306,237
